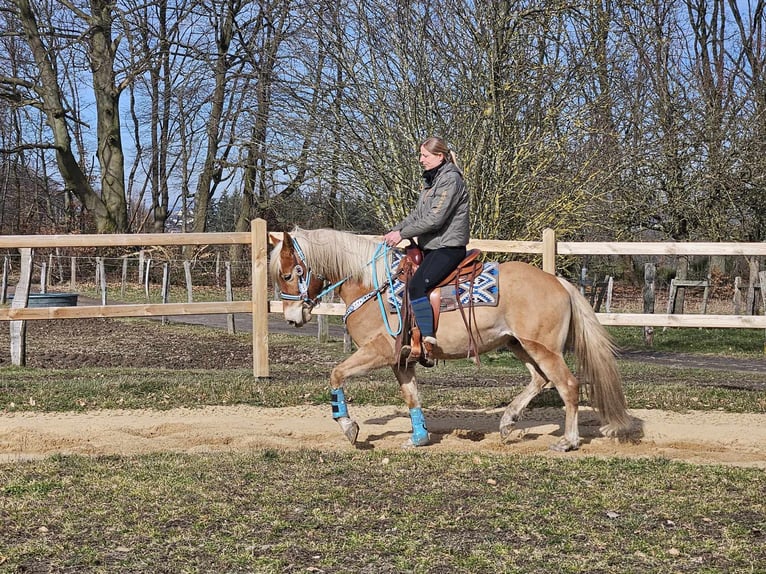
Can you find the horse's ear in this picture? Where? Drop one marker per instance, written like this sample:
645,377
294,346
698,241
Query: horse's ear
287,243
274,240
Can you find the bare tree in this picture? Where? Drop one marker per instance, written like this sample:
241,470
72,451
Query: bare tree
108,207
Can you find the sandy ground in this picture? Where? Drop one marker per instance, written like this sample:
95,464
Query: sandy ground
696,437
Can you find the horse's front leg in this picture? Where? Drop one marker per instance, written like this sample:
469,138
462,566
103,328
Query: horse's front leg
409,388
375,354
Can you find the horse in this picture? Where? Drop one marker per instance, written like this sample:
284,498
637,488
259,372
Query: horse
538,316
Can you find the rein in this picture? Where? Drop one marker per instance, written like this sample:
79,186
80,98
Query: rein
379,290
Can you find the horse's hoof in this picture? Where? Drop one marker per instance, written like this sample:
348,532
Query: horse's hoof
510,434
426,361
563,445
415,441
349,428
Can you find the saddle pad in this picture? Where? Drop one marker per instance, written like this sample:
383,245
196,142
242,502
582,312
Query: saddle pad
484,293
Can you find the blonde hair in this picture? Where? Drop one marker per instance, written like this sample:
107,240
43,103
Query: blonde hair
437,145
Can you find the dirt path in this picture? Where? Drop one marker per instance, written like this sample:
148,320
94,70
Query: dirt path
698,437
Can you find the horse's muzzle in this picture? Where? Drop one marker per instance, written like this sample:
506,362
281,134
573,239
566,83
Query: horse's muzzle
297,316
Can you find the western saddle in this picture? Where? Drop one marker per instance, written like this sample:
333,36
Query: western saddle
466,271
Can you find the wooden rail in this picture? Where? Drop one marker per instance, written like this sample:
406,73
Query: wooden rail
259,305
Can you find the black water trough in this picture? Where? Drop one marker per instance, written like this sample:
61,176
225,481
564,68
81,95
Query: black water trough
50,299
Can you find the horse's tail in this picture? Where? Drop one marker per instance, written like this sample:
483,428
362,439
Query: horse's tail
594,352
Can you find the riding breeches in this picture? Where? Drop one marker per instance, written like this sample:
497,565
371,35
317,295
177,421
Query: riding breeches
436,265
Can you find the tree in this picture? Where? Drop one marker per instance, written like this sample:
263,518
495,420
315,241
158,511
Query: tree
108,207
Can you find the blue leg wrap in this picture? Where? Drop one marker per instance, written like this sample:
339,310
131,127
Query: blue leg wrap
419,430
424,316
338,402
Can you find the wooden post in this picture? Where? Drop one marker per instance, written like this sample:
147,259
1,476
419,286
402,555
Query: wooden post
124,276
73,274
609,289
187,275
672,297
60,265
165,287
230,326
682,273
4,282
141,258
20,299
43,277
102,278
48,279
650,272
260,297
549,251
147,269
762,278
737,298
323,326
753,266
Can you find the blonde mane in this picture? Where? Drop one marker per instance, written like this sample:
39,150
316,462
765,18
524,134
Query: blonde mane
337,255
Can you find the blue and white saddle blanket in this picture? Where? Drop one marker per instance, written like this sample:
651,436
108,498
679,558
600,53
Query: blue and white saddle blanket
483,293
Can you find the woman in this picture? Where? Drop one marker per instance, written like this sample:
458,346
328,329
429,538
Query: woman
440,222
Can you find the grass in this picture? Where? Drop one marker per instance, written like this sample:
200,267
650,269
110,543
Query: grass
310,511
270,511
720,342
455,384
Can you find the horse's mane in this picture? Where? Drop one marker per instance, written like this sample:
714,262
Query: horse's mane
338,254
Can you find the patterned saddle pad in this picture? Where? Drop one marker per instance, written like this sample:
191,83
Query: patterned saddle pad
484,292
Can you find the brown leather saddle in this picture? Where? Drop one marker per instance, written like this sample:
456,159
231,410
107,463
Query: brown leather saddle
466,271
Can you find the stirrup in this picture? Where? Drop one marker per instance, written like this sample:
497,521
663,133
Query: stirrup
427,355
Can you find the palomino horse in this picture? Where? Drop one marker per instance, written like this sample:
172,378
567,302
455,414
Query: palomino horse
537,315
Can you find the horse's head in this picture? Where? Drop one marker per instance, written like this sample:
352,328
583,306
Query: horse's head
299,287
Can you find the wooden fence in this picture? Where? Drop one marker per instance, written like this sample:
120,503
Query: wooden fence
259,305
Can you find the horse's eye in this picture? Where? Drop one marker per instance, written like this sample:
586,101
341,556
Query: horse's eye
287,277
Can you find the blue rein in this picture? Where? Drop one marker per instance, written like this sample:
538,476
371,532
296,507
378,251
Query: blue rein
379,290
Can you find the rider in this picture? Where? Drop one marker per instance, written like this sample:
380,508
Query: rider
441,224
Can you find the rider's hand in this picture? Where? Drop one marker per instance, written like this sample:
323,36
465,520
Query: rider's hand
392,238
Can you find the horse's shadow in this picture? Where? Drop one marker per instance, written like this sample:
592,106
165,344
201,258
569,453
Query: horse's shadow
477,426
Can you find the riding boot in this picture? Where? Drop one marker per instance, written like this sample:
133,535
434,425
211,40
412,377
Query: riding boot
424,317
427,356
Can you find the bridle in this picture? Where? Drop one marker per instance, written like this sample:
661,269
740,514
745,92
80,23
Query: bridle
305,278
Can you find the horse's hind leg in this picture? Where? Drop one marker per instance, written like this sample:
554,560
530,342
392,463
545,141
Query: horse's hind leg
409,388
373,355
513,411
548,366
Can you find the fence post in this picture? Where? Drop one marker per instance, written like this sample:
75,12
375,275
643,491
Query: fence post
165,287
43,277
4,282
260,297
649,275
18,329
762,279
102,278
737,298
549,250
189,288
230,324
